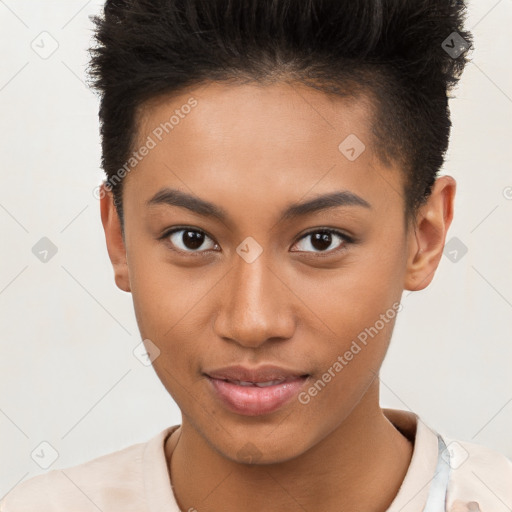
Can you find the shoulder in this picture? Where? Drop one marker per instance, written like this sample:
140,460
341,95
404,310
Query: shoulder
110,482
478,474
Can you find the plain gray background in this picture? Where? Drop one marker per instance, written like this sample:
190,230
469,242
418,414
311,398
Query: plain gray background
68,375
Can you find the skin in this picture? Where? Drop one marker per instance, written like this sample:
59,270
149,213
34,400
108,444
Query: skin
253,150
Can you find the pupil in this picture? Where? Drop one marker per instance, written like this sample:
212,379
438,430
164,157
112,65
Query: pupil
193,239
321,241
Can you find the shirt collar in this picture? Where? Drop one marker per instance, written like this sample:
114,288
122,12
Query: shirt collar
413,493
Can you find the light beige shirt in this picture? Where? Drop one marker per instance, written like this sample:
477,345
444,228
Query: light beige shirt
444,475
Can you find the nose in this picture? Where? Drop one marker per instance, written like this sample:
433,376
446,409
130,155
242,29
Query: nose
256,304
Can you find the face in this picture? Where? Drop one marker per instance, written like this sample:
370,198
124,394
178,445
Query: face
221,277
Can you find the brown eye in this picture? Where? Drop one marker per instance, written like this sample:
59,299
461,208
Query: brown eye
324,240
189,240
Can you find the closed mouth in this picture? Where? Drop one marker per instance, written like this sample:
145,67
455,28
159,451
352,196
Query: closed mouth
264,384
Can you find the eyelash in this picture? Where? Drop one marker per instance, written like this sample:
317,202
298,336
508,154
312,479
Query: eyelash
346,241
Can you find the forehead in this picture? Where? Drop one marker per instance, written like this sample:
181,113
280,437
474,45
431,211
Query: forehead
227,112
256,142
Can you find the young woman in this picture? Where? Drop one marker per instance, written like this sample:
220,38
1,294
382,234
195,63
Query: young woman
272,190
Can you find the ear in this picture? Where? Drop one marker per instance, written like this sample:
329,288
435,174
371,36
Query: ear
113,236
426,237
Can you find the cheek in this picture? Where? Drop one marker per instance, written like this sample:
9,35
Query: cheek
344,301
350,361
355,308
171,312
162,294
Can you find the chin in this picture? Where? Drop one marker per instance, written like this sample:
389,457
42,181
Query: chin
259,445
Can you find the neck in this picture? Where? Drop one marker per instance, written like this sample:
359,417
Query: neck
358,466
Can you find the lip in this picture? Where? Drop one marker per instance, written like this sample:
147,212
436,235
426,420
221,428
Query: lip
251,400
264,373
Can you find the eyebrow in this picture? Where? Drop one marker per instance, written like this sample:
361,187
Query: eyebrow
175,197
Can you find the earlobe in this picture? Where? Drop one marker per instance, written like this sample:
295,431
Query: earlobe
427,237
114,239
